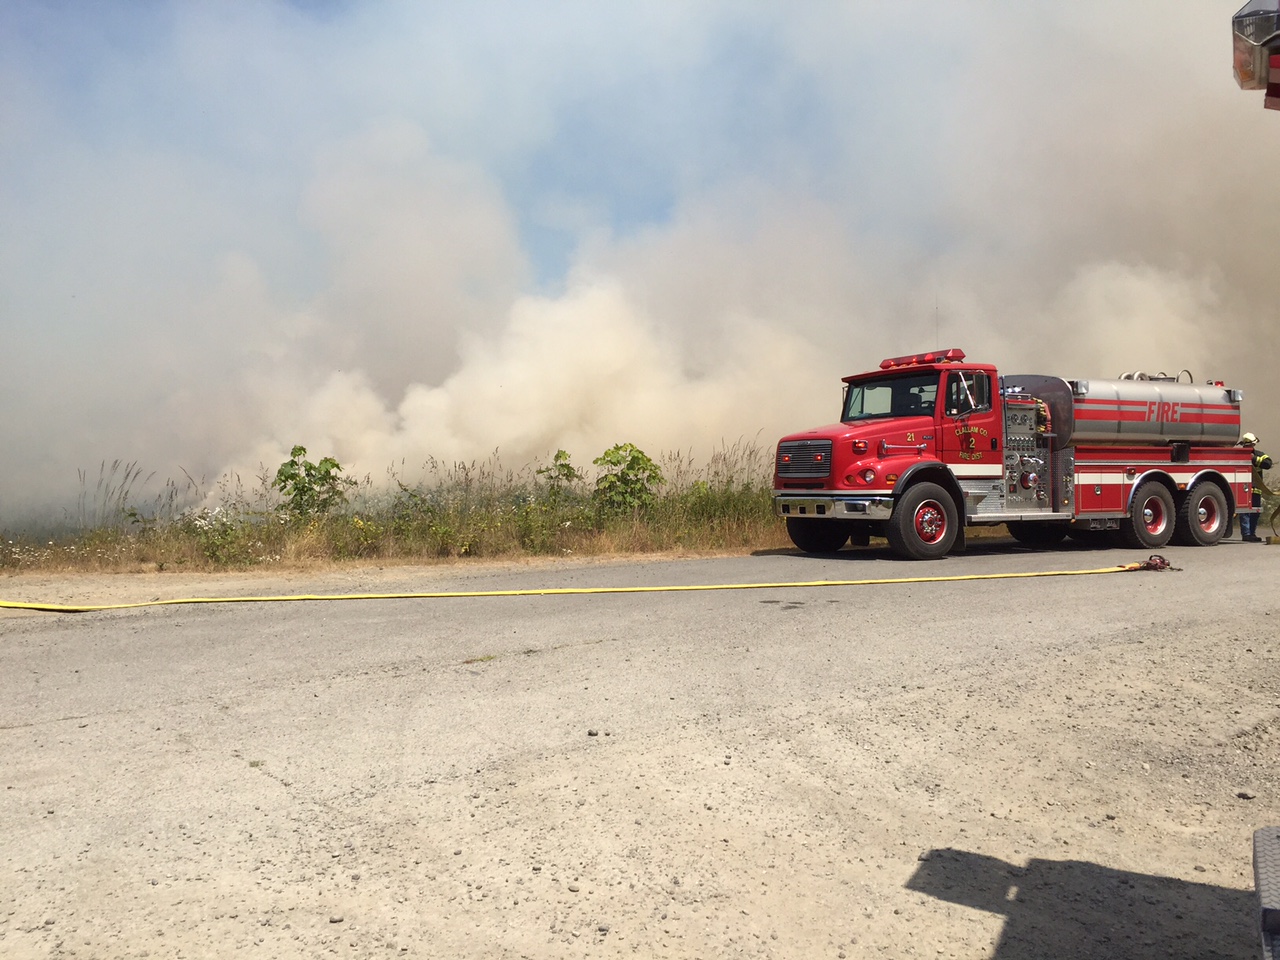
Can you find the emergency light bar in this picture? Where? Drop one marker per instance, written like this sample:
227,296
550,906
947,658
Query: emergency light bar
937,356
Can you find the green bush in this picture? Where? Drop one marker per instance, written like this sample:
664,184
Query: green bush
311,489
560,477
628,483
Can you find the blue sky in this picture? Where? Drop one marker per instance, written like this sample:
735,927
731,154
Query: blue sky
229,227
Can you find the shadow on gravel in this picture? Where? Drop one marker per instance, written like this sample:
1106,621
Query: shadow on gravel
1058,909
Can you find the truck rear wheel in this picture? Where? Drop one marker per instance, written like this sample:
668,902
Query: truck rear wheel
1037,533
1151,517
924,524
1202,519
817,536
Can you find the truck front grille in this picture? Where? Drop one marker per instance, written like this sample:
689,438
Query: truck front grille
804,458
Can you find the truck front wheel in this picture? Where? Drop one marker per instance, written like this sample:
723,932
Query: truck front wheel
924,524
817,536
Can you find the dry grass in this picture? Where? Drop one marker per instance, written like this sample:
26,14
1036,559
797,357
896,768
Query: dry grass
461,510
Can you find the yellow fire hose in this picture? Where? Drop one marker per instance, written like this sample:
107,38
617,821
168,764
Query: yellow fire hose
1155,562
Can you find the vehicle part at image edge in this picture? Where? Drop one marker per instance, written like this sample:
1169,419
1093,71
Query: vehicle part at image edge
1266,883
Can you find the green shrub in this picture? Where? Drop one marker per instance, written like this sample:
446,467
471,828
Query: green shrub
628,483
311,489
560,477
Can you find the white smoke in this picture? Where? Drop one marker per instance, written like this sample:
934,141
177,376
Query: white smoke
580,372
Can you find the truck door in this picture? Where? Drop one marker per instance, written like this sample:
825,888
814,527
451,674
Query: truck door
970,430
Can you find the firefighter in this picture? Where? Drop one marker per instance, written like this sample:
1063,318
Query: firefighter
1261,462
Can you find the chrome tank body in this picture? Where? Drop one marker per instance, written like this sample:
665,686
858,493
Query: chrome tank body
1255,31
1134,411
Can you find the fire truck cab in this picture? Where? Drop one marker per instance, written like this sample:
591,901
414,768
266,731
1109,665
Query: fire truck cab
929,443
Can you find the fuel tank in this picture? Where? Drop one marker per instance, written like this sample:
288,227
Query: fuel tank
1134,411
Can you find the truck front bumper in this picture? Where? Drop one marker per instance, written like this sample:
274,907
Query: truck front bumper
833,507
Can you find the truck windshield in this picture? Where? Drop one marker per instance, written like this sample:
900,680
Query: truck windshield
900,395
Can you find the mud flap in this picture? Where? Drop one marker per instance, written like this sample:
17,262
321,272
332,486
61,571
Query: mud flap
1266,880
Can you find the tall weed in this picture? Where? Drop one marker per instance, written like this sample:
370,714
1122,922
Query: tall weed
451,510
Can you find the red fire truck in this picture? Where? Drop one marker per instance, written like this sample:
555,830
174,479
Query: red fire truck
929,444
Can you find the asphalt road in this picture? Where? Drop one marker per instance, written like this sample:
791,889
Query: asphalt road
1011,768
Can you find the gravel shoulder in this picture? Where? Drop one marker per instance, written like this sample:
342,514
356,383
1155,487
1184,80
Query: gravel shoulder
1002,768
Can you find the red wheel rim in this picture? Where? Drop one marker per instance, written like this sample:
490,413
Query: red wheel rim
1153,516
931,521
1207,515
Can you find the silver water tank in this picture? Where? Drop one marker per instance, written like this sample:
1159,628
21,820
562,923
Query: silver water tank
1135,411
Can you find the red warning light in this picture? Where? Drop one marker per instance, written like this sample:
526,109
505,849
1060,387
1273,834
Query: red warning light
916,359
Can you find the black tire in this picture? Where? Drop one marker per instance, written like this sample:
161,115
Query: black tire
817,536
1038,533
1203,517
1151,519
924,525
1266,880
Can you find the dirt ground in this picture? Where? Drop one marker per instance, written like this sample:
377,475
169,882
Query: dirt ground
1068,767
